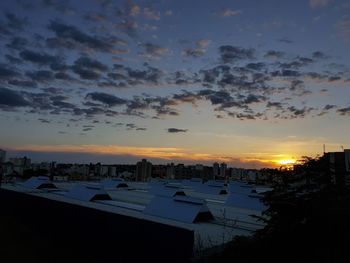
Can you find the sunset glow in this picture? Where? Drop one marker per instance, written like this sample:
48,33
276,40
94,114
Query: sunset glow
122,80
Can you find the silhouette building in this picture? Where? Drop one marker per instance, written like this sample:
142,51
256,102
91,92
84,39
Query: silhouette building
143,170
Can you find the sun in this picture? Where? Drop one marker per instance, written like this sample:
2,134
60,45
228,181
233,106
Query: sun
286,162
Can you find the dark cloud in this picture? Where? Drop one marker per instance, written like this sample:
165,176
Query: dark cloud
40,75
175,130
39,58
329,107
273,54
63,76
86,73
285,40
193,52
231,54
153,51
7,72
89,63
13,60
116,76
17,43
299,112
44,120
319,55
251,98
297,63
334,78
95,17
256,66
23,83
344,111
74,36
10,99
14,22
106,99
277,105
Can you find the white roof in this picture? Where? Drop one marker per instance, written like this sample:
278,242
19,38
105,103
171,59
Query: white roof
114,183
166,190
180,208
38,183
245,201
88,193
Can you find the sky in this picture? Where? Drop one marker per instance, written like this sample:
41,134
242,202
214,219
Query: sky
247,82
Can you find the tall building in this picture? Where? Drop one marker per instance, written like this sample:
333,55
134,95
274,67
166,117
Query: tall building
170,171
143,170
339,167
2,156
216,170
223,168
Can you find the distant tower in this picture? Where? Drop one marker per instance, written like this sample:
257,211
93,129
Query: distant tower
216,170
143,170
223,168
2,156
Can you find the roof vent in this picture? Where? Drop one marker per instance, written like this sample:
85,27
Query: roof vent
40,182
114,183
88,193
180,208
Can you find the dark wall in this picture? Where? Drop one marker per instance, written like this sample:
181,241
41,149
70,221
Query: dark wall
90,235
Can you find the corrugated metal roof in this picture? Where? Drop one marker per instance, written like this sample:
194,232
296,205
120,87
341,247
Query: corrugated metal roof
245,201
39,182
114,183
166,190
180,208
88,193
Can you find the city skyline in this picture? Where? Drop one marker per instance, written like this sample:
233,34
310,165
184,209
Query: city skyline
247,83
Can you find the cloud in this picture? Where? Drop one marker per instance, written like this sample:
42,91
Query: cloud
273,54
175,130
10,99
63,76
14,22
153,51
95,17
129,26
229,12
70,37
318,3
285,40
23,83
39,58
150,13
88,63
17,43
129,9
203,43
344,111
7,72
168,13
106,99
319,55
12,59
231,54
343,28
40,75
193,52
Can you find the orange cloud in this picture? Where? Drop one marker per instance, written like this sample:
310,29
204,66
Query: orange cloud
163,153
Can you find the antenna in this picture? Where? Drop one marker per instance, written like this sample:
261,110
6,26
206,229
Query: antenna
341,146
324,148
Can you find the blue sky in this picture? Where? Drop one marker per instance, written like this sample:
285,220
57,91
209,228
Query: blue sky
250,83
